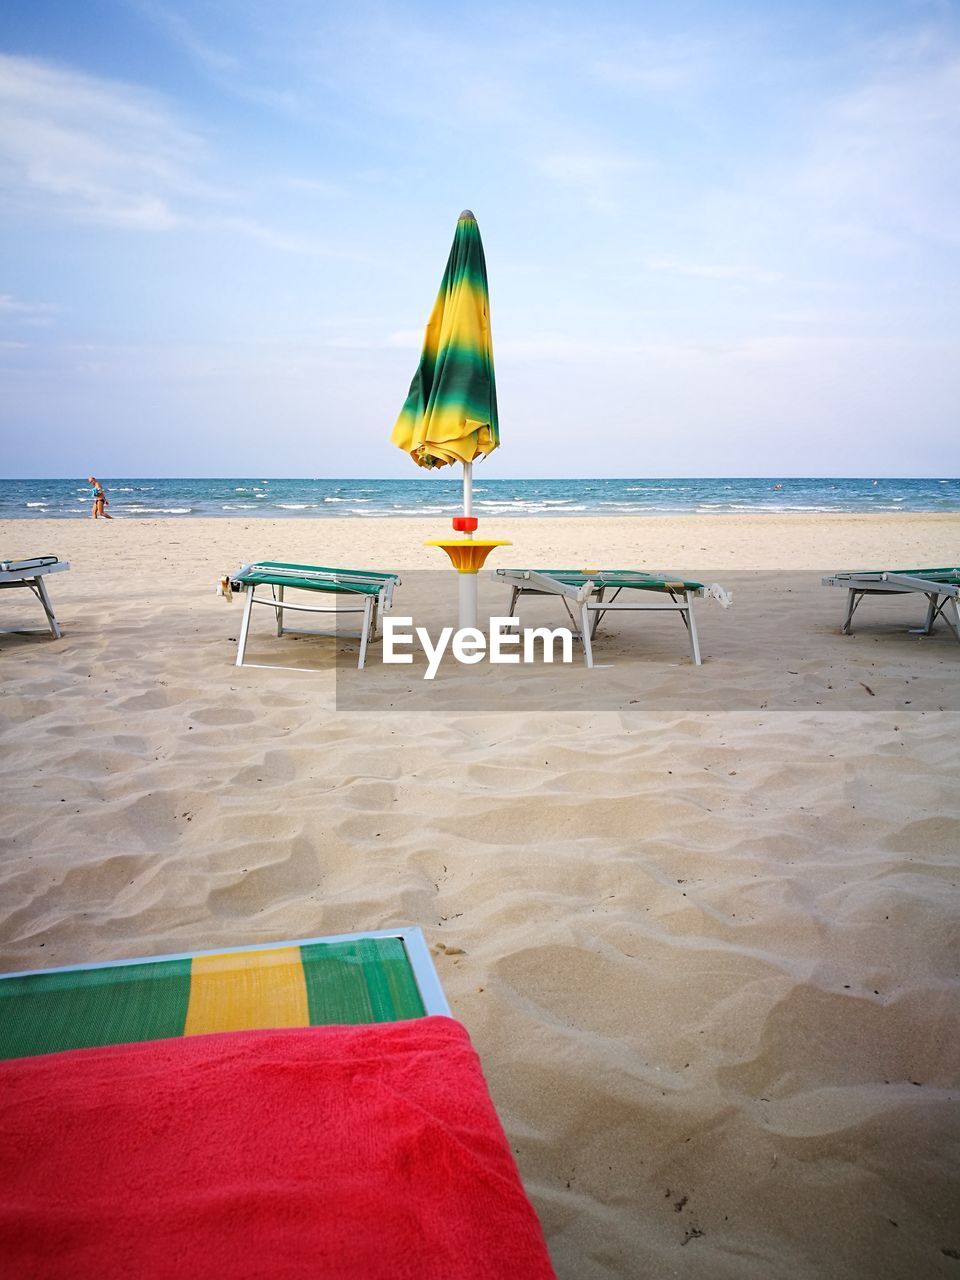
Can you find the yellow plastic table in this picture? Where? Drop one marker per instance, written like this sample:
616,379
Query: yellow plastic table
467,555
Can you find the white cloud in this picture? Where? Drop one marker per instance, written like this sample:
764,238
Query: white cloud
28,313
650,67
179,28
595,174
92,149
99,151
886,161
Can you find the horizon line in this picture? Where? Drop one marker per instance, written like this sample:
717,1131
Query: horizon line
427,478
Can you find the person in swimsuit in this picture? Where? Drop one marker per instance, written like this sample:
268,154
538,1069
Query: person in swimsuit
99,500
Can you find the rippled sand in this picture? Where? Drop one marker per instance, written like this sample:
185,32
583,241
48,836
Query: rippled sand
700,923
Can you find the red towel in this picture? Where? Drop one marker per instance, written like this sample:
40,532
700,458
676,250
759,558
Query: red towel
335,1153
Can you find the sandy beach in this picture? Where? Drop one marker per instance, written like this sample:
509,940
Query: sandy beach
699,922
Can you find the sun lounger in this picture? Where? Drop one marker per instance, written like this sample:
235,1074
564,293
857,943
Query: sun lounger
369,592
588,595
254,1141
30,574
940,586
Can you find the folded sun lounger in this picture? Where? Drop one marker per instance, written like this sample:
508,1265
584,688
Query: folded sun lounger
589,594
940,586
253,1142
370,594
30,574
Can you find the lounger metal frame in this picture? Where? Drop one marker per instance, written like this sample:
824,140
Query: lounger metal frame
414,943
943,597
590,599
330,582
29,573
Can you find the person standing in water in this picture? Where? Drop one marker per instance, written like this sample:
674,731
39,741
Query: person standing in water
99,500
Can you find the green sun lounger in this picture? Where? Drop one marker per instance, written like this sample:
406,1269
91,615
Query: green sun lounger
587,595
940,586
355,978
369,593
30,574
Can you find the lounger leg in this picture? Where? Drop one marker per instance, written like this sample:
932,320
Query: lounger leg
598,615
852,602
365,632
514,597
935,608
245,626
585,634
47,608
953,604
279,598
692,629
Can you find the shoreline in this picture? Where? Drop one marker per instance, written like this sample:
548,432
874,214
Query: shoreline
819,541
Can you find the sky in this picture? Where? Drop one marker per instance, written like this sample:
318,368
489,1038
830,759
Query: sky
720,239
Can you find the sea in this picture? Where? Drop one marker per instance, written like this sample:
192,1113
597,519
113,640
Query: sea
440,495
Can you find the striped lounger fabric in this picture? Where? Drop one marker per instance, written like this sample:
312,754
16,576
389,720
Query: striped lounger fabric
314,983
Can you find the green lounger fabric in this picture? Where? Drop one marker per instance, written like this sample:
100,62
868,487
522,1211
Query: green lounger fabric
311,577
948,574
617,578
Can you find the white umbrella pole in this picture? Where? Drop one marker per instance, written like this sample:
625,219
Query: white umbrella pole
468,491
468,599
468,581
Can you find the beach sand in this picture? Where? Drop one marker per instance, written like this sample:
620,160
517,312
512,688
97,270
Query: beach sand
700,922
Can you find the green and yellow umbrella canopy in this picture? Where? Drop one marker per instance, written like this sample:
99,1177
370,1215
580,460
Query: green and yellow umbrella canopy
450,414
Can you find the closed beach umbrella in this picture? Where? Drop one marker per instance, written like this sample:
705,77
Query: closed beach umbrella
450,414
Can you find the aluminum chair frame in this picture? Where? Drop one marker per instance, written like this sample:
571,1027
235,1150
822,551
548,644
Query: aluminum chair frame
328,582
943,598
589,599
29,574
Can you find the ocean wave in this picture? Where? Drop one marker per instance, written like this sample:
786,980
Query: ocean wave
516,504
295,506
155,511
531,508
37,504
417,511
